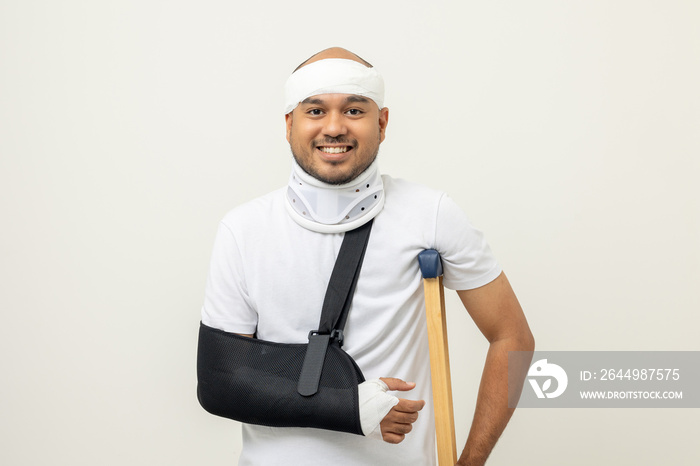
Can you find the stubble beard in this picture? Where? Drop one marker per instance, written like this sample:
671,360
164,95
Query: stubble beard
341,178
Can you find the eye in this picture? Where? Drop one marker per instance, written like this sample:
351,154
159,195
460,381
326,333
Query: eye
354,112
314,112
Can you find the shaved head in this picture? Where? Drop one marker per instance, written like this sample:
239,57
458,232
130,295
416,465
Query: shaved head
334,52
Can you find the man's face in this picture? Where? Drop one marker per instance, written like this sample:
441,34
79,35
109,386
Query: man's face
335,137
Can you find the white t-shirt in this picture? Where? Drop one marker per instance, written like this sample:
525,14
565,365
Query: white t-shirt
269,275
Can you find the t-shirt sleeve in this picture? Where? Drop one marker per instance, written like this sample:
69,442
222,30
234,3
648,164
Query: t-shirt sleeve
467,259
227,305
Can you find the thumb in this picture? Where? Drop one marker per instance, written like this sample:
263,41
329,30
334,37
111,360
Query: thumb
398,384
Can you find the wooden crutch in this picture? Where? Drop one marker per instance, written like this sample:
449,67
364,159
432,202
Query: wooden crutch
431,269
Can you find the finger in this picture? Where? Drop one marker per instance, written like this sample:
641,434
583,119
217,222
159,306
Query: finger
396,417
390,437
398,384
401,429
409,406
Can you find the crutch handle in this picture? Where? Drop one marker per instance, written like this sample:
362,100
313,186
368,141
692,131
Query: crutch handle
430,263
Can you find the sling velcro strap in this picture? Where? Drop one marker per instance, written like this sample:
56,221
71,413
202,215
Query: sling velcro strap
336,305
313,364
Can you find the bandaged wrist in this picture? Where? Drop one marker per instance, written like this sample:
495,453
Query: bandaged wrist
375,403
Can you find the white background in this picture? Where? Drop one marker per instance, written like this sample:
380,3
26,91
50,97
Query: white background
568,131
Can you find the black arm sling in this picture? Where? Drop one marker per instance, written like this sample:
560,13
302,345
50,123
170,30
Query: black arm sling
290,384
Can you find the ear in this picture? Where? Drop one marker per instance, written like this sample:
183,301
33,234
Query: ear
383,121
288,122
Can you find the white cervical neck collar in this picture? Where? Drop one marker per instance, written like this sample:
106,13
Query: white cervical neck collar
327,208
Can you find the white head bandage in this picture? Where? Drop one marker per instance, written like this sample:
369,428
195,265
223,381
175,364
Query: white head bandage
333,76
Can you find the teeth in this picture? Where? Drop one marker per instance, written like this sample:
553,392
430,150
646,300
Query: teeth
334,150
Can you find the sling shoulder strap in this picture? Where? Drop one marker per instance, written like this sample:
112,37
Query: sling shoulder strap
336,306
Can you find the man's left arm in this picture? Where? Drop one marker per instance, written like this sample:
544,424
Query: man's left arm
498,315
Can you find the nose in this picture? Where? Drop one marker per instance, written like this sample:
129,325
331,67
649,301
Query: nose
334,124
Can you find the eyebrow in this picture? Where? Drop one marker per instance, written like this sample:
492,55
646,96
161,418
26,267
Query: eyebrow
311,100
350,99
356,99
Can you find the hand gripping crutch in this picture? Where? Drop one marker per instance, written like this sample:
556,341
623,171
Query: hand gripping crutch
431,269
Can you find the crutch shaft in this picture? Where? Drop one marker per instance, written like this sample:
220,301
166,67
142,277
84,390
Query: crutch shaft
439,357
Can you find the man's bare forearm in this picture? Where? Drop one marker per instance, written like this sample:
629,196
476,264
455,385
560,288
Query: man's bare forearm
492,413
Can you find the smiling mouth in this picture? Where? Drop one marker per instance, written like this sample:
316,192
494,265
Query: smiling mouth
334,150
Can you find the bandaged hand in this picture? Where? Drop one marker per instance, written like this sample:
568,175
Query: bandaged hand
375,403
385,416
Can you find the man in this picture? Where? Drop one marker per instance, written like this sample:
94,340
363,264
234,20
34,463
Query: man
273,257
